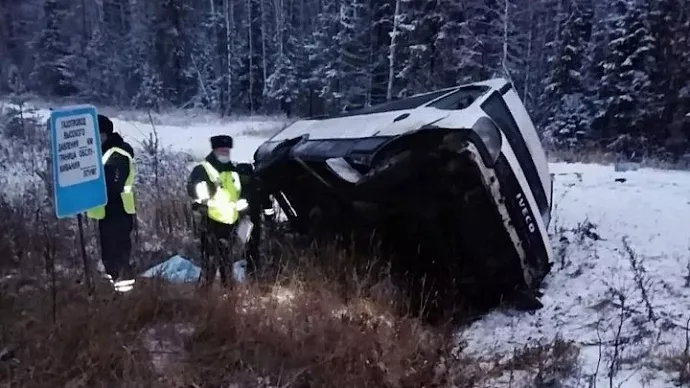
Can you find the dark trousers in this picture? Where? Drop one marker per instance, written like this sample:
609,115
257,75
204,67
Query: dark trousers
217,241
251,253
116,245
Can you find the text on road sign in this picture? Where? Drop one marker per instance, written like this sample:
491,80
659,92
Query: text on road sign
78,163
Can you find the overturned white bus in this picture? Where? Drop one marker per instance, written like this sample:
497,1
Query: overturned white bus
455,182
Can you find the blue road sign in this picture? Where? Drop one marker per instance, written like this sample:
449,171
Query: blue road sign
78,177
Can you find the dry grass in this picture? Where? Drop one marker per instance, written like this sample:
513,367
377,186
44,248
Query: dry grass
317,341
94,341
297,335
255,336
538,364
678,362
679,366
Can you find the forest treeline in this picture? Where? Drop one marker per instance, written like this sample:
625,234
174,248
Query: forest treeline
590,72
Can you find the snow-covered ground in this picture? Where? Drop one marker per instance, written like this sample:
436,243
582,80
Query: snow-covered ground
637,246
192,137
620,239
195,139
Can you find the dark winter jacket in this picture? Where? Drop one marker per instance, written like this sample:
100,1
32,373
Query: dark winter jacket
198,174
244,170
116,172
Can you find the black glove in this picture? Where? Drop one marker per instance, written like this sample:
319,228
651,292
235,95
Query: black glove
199,215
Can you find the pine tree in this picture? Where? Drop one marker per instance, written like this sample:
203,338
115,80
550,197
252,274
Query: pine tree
206,56
139,53
670,27
172,49
324,55
53,71
487,26
419,68
627,76
97,74
383,21
455,56
151,93
282,85
11,46
566,96
627,101
354,54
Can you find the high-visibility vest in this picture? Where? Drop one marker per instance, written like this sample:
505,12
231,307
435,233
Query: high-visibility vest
127,194
222,206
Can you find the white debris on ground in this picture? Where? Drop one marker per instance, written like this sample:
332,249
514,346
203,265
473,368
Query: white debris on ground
619,235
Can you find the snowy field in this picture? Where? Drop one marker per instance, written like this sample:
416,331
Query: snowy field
189,133
182,133
620,287
614,239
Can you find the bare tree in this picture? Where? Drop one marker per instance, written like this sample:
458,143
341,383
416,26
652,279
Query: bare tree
506,20
229,22
250,31
391,53
264,59
528,55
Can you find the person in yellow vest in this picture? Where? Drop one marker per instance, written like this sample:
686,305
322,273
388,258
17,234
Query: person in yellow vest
216,189
116,218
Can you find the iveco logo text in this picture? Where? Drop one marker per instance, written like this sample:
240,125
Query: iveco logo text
525,213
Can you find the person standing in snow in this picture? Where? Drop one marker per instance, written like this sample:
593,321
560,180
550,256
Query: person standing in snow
215,186
116,218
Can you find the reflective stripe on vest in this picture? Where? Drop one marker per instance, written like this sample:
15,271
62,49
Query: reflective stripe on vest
127,194
221,207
